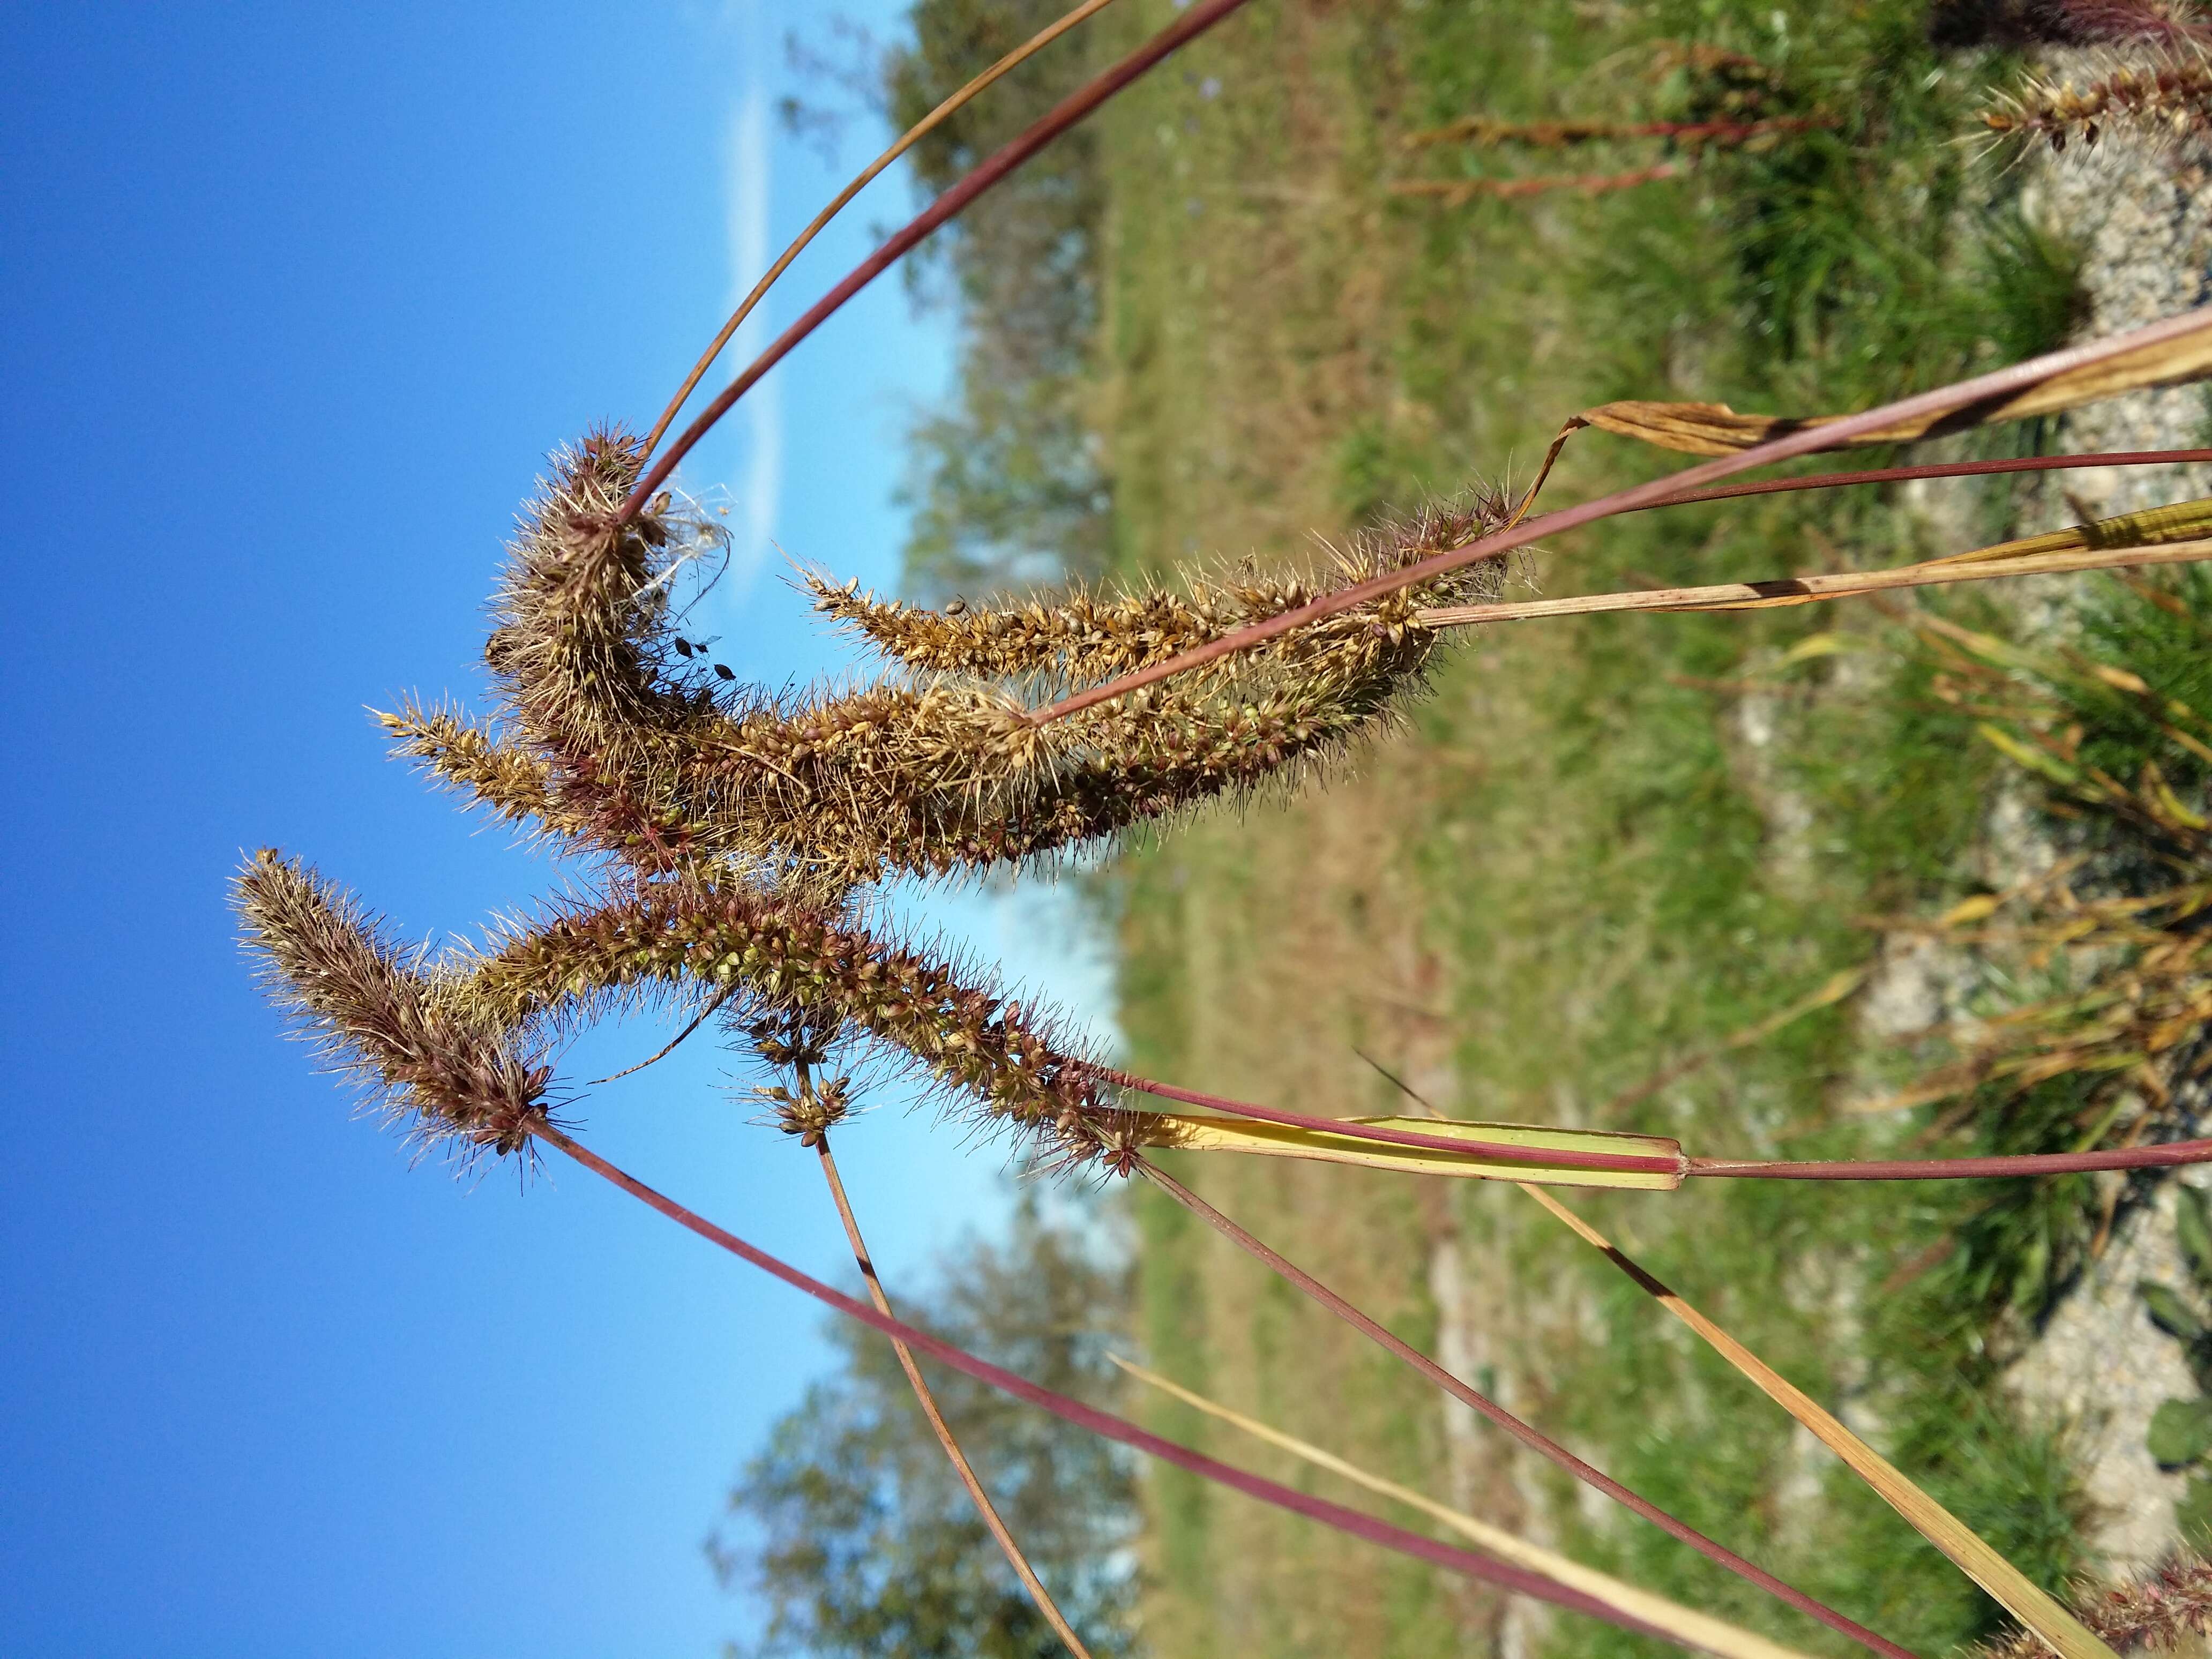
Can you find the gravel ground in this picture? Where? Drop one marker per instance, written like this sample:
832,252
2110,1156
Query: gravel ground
2103,1367
2145,223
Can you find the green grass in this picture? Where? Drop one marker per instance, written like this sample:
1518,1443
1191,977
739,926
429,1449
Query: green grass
1577,866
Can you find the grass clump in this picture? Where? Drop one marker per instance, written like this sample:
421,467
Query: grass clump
1609,846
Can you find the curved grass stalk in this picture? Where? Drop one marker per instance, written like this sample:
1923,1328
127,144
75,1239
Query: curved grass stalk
1351,1522
714,1005
2025,1600
1947,470
992,1522
1686,1624
1542,1445
906,141
987,173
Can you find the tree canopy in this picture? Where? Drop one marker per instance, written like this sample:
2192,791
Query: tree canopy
853,1528
1008,487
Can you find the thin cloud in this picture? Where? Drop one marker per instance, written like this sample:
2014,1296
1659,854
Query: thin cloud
749,182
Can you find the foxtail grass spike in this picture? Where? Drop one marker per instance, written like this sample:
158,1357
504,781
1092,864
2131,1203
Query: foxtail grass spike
1081,637
734,833
668,762
454,1079
504,777
2156,1613
2162,103
449,1044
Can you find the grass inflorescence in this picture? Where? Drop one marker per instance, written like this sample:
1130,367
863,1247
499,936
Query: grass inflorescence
2165,102
733,842
736,836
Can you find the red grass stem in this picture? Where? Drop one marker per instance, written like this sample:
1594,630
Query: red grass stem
1991,391
987,173
906,141
1349,1520
1288,1270
1040,1597
1941,469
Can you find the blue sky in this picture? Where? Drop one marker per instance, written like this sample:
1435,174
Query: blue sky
297,299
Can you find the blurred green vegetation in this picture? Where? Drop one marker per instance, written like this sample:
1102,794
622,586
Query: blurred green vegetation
1007,487
1605,849
1608,844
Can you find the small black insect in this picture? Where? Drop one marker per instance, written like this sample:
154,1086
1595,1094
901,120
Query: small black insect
725,670
682,648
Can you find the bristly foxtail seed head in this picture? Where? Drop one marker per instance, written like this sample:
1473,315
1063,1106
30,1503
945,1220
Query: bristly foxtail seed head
810,1113
735,828
455,1081
2159,100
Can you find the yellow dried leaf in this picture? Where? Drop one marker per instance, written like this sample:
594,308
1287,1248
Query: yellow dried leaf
1982,905
2156,526
1691,429
1716,429
1196,1131
1814,644
2175,809
2028,755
